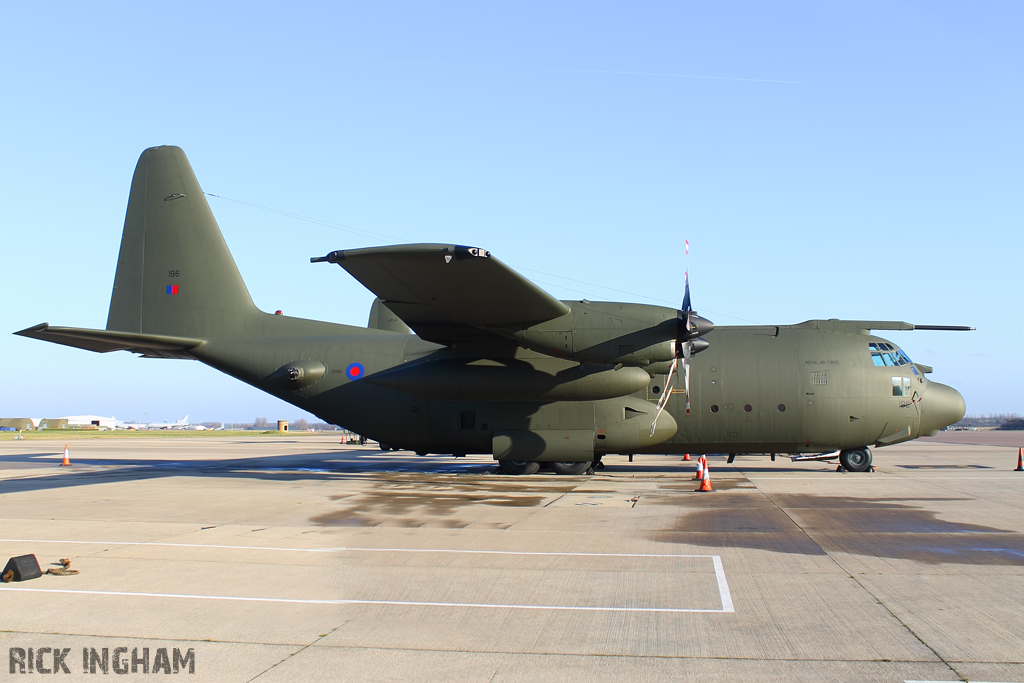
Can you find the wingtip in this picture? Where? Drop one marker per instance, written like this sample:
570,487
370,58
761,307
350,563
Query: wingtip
35,328
945,328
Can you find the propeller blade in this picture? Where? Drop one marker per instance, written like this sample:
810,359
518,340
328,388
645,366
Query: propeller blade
663,401
687,344
686,308
687,352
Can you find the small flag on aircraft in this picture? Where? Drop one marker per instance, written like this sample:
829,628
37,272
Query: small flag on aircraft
172,289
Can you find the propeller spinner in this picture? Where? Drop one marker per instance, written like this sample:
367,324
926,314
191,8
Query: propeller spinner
688,342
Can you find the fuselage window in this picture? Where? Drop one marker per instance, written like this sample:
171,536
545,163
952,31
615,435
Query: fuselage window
897,386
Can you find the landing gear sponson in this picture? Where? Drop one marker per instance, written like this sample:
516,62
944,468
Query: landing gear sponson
517,467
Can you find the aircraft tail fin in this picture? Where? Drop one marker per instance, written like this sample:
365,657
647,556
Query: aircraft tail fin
175,275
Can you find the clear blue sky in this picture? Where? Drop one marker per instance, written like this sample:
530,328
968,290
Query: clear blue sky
842,159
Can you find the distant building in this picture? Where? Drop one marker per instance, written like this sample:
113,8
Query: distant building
25,424
94,420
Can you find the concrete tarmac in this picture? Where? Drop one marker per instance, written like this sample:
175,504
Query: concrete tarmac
297,558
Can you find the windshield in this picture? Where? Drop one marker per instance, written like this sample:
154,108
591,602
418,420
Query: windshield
884,354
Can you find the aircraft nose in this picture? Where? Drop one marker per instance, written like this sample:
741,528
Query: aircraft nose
941,406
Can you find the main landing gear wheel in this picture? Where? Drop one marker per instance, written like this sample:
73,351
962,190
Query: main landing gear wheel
855,459
518,466
385,447
570,467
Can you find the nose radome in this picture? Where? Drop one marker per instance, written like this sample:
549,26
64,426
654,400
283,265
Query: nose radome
941,406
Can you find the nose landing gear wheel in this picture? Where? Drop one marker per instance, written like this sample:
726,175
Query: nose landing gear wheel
855,459
517,467
570,467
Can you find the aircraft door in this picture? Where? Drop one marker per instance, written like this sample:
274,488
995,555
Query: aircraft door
907,396
835,410
460,425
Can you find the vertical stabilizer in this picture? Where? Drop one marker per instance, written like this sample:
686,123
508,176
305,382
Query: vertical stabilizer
175,275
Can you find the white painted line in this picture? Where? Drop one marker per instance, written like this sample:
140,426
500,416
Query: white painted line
340,549
723,585
564,608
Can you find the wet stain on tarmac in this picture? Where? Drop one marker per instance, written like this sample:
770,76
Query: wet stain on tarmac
896,528
463,483
416,500
717,484
997,548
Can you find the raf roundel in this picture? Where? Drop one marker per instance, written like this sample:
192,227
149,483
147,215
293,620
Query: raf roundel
354,371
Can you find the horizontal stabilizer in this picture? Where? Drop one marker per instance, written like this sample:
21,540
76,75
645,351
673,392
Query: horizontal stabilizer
104,341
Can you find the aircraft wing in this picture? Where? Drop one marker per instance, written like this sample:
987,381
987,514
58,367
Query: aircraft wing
448,293
868,325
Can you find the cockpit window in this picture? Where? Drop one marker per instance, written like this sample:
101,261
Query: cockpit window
901,386
887,355
897,386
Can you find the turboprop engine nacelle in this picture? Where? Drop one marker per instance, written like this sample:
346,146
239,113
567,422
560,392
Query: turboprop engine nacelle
540,379
611,333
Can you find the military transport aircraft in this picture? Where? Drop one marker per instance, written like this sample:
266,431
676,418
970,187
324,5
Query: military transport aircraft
464,355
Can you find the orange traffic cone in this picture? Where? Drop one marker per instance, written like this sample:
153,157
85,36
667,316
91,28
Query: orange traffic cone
705,482
686,457
67,461
1020,460
700,469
